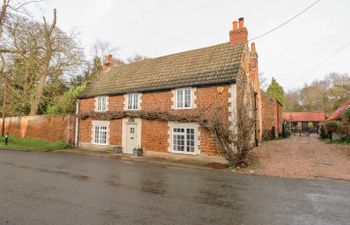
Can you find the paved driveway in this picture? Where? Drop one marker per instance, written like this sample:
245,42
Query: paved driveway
304,157
62,188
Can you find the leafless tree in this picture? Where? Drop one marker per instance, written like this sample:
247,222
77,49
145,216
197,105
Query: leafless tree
102,48
48,31
136,58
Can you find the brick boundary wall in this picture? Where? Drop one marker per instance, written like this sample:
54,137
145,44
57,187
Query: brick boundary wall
271,116
47,128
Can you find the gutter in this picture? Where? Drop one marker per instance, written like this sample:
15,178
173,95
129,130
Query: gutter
77,110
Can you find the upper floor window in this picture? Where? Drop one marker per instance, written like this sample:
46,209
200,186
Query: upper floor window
132,101
184,98
101,103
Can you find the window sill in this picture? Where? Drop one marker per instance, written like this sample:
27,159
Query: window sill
184,153
132,109
183,108
99,144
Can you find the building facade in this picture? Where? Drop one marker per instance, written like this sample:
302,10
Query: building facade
301,120
212,83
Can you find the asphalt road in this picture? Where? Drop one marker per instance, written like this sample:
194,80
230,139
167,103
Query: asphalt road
62,188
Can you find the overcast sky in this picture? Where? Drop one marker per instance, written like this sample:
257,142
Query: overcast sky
159,27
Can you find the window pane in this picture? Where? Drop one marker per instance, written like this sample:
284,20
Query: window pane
178,142
129,101
187,98
132,101
179,100
104,103
101,103
103,139
135,101
97,132
190,140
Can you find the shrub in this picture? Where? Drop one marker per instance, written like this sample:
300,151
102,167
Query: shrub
287,132
346,113
267,135
343,129
331,126
53,110
345,139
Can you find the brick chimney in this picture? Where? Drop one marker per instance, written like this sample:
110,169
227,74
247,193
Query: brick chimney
107,62
239,33
253,64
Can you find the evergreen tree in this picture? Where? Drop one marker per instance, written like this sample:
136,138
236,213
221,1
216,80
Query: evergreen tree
276,91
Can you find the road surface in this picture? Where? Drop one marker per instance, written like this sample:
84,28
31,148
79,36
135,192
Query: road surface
63,188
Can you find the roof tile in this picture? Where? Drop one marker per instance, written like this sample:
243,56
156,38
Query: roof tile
211,65
304,116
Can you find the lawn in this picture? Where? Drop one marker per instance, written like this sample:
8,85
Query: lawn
26,144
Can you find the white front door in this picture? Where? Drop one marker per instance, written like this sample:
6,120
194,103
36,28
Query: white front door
131,138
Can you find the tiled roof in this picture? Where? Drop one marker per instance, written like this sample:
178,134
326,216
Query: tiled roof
211,65
304,116
338,113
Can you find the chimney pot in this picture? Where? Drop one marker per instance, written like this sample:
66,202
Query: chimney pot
107,62
235,25
238,35
108,59
252,48
241,22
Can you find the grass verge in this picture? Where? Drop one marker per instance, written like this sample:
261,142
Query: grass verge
26,144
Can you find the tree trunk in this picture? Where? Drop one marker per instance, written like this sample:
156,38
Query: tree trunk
45,67
40,89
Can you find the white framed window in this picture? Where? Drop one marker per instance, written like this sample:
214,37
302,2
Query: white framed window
132,102
184,98
101,104
100,134
183,140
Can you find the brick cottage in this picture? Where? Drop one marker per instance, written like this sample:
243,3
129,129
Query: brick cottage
204,82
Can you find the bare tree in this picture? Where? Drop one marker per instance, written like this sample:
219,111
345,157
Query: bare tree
264,84
102,48
8,9
136,58
49,49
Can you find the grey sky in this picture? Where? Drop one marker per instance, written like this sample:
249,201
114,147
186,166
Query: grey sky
160,27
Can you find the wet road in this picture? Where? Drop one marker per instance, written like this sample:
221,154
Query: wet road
62,188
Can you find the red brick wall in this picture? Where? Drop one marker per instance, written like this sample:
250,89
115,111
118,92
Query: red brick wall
49,128
155,133
154,136
271,116
85,129
87,104
268,118
115,132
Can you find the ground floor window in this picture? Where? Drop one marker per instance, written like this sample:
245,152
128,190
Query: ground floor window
183,140
100,134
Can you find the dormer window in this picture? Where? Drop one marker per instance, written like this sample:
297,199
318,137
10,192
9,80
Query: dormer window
101,104
184,98
133,102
